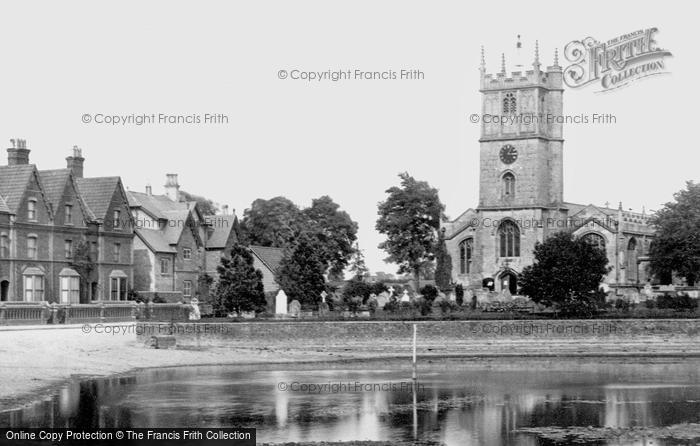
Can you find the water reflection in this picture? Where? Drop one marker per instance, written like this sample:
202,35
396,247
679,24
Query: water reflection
457,402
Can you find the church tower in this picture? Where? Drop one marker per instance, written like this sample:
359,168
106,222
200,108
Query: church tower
521,170
521,137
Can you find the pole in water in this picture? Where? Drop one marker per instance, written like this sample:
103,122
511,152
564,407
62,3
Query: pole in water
413,388
415,329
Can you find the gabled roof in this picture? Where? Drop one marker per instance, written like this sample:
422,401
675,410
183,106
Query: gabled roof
178,221
54,184
13,184
578,208
270,257
221,226
155,205
155,240
97,194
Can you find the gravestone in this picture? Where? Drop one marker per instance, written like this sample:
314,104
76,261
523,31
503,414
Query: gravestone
294,308
194,313
281,302
323,296
405,297
323,308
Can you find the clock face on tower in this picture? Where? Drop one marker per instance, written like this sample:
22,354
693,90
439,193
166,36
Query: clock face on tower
509,154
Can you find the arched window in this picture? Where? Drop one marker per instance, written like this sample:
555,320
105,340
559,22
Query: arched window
632,273
508,185
596,240
509,104
466,248
509,239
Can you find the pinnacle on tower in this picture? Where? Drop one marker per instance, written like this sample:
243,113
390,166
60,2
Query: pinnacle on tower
503,63
556,57
536,63
483,61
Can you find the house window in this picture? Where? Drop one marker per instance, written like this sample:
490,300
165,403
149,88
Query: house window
33,287
4,246
68,215
70,289
31,210
116,251
466,248
187,288
116,220
509,238
508,185
117,288
68,248
186,253
93,251
509,105
596,240
164,266
31,246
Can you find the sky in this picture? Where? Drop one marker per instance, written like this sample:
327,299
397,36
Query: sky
347,139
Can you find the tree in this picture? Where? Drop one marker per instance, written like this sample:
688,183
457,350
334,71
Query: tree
240,286
335,231
301,271
83,264
205,205
443,268
279,222
358,268
410,218
566,271
273,222
676,247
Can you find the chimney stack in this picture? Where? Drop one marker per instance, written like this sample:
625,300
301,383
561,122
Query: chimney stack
224,209
172,188
149,190
75,162
19,153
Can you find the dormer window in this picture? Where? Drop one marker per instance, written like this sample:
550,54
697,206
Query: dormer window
31,209
116,222
68,214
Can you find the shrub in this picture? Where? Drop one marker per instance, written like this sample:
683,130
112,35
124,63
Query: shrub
425,306
429,292
622,305
459,294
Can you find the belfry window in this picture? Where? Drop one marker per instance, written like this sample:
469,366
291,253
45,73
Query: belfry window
466,249
509,239
509,105
508,185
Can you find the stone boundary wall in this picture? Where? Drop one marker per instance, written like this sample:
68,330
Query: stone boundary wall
337,332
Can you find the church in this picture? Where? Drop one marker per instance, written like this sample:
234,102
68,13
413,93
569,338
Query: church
521,198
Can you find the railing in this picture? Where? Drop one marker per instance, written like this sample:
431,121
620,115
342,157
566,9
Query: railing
40,313
24,313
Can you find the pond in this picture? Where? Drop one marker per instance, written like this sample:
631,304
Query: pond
453,401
